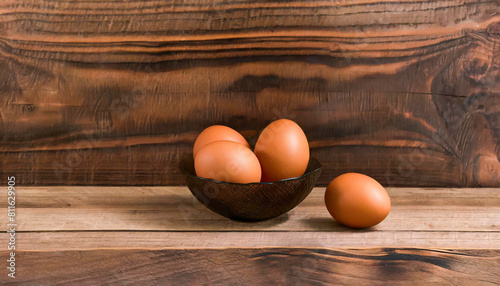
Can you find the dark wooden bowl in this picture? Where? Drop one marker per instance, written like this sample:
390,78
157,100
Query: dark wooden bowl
254,201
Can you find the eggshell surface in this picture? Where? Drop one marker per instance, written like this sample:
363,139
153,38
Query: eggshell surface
283,151
227,161
357,200
217,133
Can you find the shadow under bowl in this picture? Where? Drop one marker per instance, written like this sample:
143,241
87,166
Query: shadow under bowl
253,201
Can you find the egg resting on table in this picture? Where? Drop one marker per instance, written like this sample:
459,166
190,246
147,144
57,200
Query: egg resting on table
357,200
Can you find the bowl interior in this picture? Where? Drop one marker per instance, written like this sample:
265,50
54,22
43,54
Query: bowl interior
253,201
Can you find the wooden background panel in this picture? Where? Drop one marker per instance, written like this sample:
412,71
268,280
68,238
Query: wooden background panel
116,92
257,266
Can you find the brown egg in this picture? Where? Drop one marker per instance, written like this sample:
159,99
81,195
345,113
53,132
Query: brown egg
217,133
227,161
282,150
357,200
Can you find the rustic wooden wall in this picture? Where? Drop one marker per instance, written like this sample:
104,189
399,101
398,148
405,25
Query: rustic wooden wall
115,92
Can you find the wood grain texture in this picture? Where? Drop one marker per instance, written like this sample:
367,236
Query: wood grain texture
160,236
279,266
114,93
175,209
338,238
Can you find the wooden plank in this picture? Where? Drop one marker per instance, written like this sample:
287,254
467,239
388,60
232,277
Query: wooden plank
257,266
200,219
335,239
114,93
175,209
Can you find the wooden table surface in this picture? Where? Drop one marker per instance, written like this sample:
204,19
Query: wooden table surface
163,236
